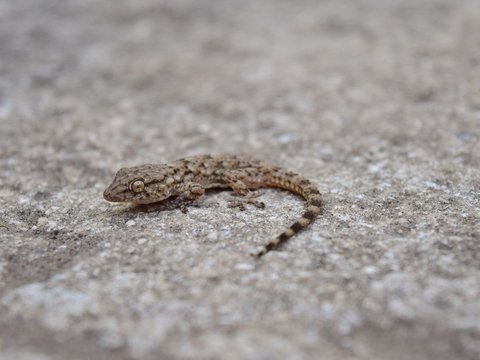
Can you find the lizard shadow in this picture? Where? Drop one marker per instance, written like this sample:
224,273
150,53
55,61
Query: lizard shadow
180,203
170,204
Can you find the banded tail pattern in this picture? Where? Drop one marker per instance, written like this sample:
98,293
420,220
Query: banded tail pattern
303,187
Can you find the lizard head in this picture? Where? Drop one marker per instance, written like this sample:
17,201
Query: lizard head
140,184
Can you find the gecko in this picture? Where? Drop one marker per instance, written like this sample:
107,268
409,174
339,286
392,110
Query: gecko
187,179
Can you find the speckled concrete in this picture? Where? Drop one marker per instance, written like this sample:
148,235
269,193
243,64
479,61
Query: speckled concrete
378,102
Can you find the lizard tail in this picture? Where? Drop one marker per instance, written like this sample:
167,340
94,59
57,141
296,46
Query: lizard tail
300,186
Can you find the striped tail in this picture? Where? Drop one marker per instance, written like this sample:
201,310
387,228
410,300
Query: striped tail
303,187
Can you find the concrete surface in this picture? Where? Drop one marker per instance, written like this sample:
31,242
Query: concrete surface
378,102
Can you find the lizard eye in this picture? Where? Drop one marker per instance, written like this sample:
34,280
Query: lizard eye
137,186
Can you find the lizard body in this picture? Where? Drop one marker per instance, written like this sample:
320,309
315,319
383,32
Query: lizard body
188,179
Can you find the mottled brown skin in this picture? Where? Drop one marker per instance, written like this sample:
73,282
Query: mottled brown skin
188,179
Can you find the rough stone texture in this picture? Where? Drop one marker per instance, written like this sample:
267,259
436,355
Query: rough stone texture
378,102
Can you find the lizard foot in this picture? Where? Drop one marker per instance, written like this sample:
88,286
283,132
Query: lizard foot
240,203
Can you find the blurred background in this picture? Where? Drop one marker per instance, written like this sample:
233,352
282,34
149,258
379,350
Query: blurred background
272,77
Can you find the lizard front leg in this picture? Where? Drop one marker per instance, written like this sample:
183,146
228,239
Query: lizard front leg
189,193
241,184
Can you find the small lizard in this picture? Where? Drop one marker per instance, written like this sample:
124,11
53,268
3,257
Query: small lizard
188,179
